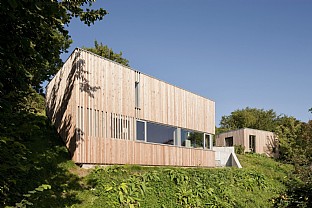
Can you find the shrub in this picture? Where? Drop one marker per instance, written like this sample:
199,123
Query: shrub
239,149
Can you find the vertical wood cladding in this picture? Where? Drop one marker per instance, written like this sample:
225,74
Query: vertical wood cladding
265,141
91,101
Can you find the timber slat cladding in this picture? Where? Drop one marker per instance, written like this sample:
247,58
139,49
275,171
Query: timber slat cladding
264,140
91,101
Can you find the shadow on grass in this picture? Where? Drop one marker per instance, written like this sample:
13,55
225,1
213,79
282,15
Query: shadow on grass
32,155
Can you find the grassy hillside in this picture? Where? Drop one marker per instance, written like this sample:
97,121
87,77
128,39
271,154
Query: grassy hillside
256,185
46,177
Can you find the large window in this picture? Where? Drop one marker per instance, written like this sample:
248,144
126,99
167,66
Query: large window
157,133
162,134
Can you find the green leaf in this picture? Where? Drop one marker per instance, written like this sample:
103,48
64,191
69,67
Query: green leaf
109,189
121,197
13,3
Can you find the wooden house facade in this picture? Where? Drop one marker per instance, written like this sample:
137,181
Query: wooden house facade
108,113
253,140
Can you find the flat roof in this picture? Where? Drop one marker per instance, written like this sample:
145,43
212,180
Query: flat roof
243,129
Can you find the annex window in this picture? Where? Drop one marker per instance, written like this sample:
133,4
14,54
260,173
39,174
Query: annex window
252,143
229,141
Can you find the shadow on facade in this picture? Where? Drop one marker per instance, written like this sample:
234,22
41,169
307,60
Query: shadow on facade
272,147
59,105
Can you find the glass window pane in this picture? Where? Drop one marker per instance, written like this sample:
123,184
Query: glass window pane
207,141
192,139
140,130
160,134
185,138
137,95
197,139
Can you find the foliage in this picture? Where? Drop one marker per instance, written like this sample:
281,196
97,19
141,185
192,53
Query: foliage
106,52
40,158
196,139
25,201
296,143
133,186
288,132
239,149
34,37
32,156
249,118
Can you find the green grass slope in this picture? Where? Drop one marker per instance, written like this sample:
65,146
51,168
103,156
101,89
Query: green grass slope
256,185
38,172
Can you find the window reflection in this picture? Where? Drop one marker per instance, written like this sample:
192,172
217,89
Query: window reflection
160,134
140,130
207,141
185,138
192,139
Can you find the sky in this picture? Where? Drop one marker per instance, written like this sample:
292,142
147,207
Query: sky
238,53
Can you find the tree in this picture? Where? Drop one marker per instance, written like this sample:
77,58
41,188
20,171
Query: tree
249,118
288,132
33,35
296,148
32,38
106,52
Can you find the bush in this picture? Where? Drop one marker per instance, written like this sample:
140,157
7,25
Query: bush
239,149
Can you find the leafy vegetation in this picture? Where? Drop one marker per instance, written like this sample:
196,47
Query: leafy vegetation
295,147
35,168
133,186
106,52
239,149
38,171
34,163
35,35
249,118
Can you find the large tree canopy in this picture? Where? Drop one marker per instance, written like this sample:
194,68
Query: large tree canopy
33,35
106,52
250,118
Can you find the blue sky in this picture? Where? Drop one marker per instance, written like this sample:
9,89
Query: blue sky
239,53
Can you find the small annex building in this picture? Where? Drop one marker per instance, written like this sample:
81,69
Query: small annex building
253,140
108,113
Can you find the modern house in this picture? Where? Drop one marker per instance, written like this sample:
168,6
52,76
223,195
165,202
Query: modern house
108,113
253,140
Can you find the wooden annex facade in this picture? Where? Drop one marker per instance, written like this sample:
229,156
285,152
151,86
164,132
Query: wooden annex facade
106,113
253,140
